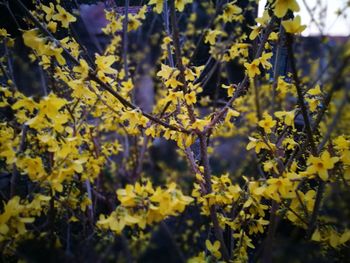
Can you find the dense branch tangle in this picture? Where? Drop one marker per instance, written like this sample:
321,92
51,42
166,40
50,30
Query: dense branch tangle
279,184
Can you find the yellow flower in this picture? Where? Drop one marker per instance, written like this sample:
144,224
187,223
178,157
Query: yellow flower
321,165
282,6
231,113
264,19
32,39
289,143
293,26
279,187
158,5
282,87
189,75
253,68
127,196
213,248
200,124
313,103
211,36
190,98
104,64
230,11
259,144
341,143
133,23
180,4
230,89
127,86
52,26
267,123
57,53
255,32
200,258
166,72
49,10
315,91
142,13
287,116
27,103
3,33
63,16
34,167
82,69
174,96
50,105
304,200
173,82
264,60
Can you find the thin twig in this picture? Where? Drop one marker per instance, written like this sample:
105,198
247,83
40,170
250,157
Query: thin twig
241,89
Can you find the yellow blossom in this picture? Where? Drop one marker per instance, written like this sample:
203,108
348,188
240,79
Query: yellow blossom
49,10
282,6
190,98
63,16
104,64
258,144
315,91
253,68
211,36
230,11
321,165
180,4
293,26
267,123
286,116
214,248
264,60
158,5
230,89
166,72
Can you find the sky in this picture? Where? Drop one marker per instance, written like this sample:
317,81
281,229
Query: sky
333,25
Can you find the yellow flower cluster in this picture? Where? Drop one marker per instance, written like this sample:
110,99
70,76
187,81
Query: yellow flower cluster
17,214
142,205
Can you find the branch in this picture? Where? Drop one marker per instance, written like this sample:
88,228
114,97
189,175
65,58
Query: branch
125,39
300,95
176,41
214,218
241,89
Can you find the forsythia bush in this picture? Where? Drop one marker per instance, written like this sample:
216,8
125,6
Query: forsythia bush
77,162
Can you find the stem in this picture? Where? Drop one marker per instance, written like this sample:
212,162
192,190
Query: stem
300,95
214,218
309,134
180,65
167,231
267,253
125,39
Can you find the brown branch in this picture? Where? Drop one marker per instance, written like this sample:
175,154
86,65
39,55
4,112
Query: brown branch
213,215
301,101
242,87
309,133
180,65
125,39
